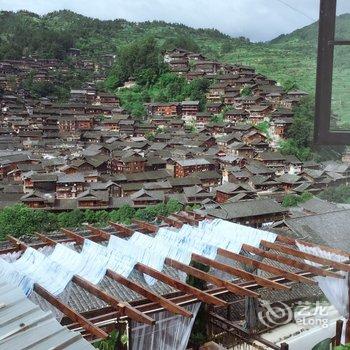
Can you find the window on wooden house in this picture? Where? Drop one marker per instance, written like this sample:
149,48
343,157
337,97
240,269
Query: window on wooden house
332,115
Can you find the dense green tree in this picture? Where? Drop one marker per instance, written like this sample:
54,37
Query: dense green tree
290,147
124,214
263,127
173,206
226,47
89,216
72,218
181,41
19,220
292,200
140,59
246,91
302,128
196,91
338,194
169,87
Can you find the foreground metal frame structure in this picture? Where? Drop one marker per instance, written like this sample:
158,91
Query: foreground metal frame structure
326,44
97,323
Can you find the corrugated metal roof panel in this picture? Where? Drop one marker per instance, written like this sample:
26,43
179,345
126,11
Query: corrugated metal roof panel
23,325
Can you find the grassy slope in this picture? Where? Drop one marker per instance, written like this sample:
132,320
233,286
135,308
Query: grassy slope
305,39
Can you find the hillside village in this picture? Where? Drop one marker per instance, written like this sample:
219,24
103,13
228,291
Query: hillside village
151,194
89,153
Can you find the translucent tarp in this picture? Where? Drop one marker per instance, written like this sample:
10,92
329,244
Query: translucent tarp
335,289
54,269
169,333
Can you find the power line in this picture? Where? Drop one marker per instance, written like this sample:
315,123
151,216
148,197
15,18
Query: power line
297,10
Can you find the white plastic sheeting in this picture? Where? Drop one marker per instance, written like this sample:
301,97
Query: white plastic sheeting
159,248
36,267
335,289
169,333
138,253
10,275
82,264
53,269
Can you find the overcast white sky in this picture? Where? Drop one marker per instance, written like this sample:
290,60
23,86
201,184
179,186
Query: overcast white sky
258,20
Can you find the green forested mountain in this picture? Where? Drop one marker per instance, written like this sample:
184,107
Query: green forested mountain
24,33
288,57
308,35
304,41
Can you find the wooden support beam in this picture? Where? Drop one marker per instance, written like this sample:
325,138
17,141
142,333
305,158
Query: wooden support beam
129,311
104,235
239,272
121,229
290,262
196,215
203,296
146,226
292,241
21,245
46,239
69,312
234,288
265,267
111,300
306,256
172,222
167,304
79,239
9,250
93,230
134,286
184,219
34,246
198,273
185,216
